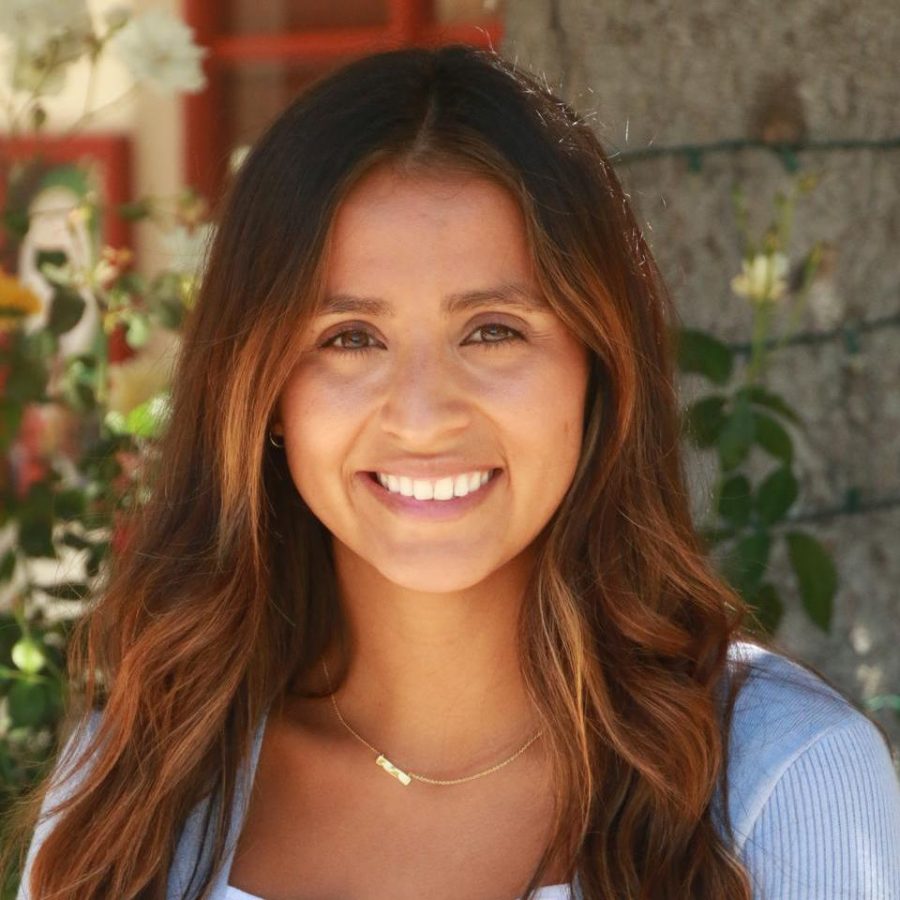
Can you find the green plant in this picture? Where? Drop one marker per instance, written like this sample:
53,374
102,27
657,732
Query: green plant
76,426
743,418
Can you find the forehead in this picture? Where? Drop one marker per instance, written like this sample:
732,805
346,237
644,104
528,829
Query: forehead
436,223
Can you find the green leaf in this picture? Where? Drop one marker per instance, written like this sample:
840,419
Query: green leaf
36,521
95,557
27,381
776,495
16,222
737,436
702,353
76,541
65,311
28,703
816,575
138,332
79,380
65,590
736,500
38,501
884,701
69,504
10,420
761,396
768,608
704,420
43,344
134,212
773,438
149,418
36,538
7,565
745,565
170,313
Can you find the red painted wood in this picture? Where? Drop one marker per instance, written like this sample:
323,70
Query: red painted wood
203,133
291,46
327,43
407,18
410,22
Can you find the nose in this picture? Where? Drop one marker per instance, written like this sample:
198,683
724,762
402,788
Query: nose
425,399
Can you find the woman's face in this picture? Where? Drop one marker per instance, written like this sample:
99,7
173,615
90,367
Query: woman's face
437,364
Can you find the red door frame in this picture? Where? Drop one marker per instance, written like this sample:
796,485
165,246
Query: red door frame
410,22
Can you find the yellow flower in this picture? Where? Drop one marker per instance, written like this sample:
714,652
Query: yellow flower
16,302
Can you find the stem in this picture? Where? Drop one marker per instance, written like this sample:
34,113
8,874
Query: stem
89,88
89,115
9,102
36,91
757,344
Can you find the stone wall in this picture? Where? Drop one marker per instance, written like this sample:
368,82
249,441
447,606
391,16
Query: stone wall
660,74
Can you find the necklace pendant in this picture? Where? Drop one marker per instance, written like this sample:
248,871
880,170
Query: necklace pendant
391,769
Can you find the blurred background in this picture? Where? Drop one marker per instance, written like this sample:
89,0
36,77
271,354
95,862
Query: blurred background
760,147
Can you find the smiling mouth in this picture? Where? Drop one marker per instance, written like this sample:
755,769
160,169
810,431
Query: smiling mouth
424,490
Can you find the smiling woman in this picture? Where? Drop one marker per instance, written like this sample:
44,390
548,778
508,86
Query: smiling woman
416,607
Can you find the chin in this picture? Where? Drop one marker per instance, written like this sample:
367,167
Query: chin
442,577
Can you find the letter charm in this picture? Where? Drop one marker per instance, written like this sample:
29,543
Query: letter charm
389,767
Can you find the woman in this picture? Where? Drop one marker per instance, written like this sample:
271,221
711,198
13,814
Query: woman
421,504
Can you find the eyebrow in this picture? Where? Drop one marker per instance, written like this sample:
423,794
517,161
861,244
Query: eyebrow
509,294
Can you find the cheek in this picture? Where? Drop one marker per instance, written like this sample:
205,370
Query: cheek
545,424
318,424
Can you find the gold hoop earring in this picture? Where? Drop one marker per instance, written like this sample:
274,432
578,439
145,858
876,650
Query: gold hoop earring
275,443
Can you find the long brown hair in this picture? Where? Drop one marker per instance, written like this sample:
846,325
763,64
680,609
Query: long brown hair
226,591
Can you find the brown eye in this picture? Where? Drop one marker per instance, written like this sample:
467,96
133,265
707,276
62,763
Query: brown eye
496,333
355,340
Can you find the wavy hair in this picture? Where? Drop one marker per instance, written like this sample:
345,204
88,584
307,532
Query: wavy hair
226,592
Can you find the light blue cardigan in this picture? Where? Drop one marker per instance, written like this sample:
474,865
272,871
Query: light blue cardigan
813,794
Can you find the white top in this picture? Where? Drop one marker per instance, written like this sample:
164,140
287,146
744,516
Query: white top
813,795
547,892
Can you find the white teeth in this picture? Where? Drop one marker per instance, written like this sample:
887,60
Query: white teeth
422,490
443,489
437,489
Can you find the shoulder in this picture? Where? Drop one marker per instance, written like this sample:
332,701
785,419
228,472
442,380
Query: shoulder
812,790
64,782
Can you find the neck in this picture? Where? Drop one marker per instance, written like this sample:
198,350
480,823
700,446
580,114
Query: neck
433,680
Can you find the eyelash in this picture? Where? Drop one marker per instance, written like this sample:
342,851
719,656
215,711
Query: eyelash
328,345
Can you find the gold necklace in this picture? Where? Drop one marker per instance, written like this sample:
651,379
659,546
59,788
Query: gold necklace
406,777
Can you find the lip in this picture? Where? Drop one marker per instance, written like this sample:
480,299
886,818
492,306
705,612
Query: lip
434,510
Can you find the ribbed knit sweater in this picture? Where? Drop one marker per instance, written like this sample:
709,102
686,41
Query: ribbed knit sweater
814,797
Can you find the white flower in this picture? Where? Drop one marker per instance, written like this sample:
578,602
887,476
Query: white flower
186,249
46,36
762,278
32,24
116,17
159,49
144,375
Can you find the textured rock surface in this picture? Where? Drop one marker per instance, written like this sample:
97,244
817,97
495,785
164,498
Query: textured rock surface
650,73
